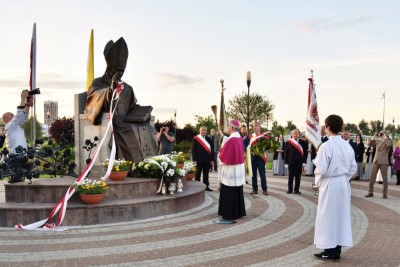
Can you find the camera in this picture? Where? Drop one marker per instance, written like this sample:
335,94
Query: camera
381,134
34,92
164,128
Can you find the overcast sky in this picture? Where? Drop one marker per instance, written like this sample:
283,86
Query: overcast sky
180,49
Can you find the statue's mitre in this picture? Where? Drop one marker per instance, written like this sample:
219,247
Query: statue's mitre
116,54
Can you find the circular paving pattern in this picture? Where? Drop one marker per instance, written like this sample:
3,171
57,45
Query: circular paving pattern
277,231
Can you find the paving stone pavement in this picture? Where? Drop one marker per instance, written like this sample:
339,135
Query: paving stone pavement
277,231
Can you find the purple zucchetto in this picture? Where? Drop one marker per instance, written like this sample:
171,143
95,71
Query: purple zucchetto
235,123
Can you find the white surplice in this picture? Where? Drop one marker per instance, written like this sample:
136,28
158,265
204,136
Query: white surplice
231,175
335,165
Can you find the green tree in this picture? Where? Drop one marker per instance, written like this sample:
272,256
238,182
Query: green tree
351,127
364,127
260,108
277,129
207,121
376,126
390,128
27,128
290,126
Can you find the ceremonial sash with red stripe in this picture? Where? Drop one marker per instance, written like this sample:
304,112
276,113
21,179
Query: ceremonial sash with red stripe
203,142
297,146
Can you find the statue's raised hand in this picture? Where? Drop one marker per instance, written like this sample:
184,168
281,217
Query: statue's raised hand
115,79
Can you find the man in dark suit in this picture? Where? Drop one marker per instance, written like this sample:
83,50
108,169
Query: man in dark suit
346,137
214,143
295,160
203,155
324,137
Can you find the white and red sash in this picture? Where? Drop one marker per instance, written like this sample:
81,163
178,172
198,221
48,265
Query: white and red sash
203,142
255,136
296,145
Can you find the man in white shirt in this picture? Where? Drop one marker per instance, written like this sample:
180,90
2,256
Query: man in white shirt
15,135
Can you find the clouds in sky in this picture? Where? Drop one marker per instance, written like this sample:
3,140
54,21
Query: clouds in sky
168,79
325,25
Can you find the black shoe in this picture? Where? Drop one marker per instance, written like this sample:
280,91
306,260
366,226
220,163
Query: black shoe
289,192
254,192
247,182
328,257
380,182
297,192
209,189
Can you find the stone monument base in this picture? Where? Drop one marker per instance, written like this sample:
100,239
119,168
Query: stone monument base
128,200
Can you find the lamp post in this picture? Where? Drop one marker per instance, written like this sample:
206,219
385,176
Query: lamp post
175,126
383,120
248,99
394,131
48,123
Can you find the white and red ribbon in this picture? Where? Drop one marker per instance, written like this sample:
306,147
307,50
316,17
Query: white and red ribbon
296,145
203,142
63,202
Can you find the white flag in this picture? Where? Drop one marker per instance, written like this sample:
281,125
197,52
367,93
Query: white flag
313,131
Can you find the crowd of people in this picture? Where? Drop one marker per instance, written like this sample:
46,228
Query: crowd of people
336,162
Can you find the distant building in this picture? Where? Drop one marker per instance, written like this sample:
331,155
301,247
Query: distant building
50,112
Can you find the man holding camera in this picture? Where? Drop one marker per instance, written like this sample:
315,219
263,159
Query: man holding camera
380,162
166,139
13,132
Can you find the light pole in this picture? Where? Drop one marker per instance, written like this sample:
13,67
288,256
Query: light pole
248,99
383,120
394,130
48,123
175,126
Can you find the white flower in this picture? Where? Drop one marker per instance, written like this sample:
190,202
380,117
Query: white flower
173,163
170,172
147,166
164,165
182,172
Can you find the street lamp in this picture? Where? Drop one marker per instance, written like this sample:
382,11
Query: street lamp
383,120
48,123
394,130
248,98
175,126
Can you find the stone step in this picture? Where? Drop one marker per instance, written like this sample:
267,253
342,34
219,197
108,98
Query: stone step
52,190
110,210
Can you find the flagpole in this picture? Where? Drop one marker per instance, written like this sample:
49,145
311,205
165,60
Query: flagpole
32,83
222,107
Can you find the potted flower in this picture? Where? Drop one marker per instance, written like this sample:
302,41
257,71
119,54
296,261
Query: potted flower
162,167
179,159
91,191
119,170
190,170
